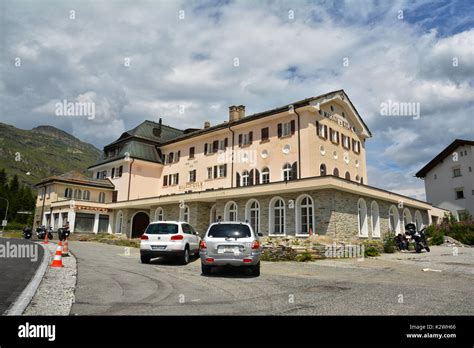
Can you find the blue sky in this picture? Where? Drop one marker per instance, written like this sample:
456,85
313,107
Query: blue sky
287,50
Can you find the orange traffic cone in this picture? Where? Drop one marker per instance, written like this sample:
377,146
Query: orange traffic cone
66,248
46,239
58,259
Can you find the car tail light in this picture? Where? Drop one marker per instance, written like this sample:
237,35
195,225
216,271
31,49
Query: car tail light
255,244
210,259
202,245
144,237
247,260
177,237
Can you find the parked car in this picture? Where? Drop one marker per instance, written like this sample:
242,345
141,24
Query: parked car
171,239
230,244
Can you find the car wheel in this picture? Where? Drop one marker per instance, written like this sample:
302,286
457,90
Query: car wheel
145,259
206,270
256,270
185,257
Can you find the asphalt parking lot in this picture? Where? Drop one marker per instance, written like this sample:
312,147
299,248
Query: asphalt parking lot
112,281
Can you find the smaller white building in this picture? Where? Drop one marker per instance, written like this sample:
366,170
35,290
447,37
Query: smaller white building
449,178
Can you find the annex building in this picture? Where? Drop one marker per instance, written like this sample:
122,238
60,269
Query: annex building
294,170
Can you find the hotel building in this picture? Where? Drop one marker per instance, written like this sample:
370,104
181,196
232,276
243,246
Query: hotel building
293,170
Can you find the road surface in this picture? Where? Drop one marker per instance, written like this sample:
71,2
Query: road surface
110,282
16,272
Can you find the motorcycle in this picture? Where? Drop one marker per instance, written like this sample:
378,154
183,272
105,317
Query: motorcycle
418,237
63,232
41,232
27,233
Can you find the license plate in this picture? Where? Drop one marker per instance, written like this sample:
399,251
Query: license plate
158,247
234,250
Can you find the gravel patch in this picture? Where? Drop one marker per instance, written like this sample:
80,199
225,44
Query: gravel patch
55,295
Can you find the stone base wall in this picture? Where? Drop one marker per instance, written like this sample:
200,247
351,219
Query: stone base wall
335,213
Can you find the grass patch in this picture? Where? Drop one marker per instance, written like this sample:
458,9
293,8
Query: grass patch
371,251
13,234
304,257
106,238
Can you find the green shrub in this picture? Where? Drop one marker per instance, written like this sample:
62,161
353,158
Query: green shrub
371,251
14,226
435,235
389,242
304,257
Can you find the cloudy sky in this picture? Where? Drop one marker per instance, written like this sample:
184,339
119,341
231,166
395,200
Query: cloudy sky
140,60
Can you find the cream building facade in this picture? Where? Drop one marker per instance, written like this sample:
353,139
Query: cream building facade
294,170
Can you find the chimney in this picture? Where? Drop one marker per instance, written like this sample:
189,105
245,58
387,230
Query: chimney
207,124
241,111
233,113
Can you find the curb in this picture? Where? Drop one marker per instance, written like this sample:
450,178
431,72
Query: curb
24,299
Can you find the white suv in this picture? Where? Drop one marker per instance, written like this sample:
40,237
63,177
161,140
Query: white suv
169,239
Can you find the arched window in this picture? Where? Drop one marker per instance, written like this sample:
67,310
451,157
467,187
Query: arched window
213,214
118,222
277,217
184,214
357,178
406,217
68,193
322,169
418,220
77,194
101,197
86,195
245,178
252,214
335,172
304,215
362,218
265,179
375,220
348,176
230,211
394,219
287,172
159,215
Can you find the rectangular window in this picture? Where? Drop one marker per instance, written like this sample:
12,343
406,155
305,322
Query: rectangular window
456,172
120,171
346,142
113,173
222,171
264,134
192,176
459,193
286,129
222,144
209,172
208,149
165,180
171,157
103,175
356,146
191,152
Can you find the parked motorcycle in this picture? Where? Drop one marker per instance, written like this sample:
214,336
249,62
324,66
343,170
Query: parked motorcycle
41,232
418,237
63,232
27,232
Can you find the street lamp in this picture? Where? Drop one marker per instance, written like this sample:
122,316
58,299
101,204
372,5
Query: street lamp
6,211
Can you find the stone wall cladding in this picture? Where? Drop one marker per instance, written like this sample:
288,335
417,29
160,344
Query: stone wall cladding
335,213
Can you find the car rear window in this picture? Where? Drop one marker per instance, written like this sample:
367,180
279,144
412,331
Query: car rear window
229,230
162,228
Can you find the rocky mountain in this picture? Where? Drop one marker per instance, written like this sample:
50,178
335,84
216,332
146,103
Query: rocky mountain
41,152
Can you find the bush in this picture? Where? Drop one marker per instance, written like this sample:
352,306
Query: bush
389,242
304,257
435,236
371,251
14,226
462,231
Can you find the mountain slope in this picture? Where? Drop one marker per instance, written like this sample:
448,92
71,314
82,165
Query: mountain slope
42,152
